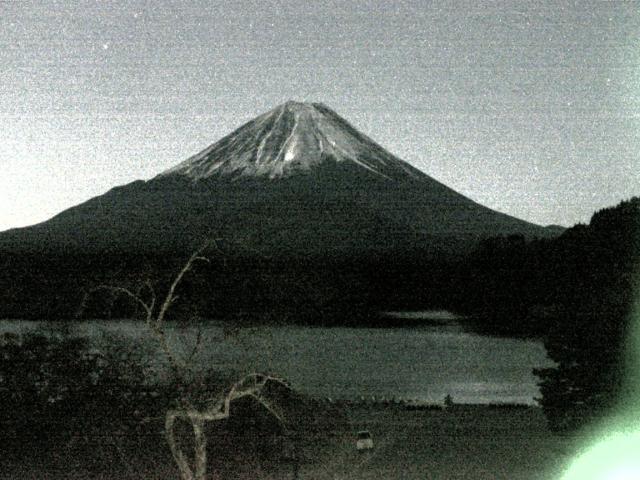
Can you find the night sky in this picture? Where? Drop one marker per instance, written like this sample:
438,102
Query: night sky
532,109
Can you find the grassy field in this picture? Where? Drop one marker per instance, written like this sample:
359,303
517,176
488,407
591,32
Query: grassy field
463,442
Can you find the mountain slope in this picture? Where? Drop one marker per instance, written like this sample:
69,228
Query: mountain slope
298,180
290,139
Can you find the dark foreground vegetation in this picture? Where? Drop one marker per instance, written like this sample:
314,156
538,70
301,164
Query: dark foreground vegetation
577,292
71,410
74,412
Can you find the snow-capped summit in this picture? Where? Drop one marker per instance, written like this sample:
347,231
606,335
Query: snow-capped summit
293,137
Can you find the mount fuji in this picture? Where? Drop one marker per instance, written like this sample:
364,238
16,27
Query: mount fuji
291,139
298,180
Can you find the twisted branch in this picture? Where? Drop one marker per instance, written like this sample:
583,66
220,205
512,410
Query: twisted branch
250,385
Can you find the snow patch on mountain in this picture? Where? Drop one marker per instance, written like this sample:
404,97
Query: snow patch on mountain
292,138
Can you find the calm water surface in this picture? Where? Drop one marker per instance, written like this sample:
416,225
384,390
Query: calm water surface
424,363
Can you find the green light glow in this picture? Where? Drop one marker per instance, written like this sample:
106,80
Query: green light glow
617,457
615,451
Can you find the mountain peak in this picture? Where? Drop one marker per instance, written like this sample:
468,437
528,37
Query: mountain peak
294,105
292,138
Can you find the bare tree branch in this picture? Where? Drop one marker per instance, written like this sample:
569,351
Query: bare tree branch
183,465
147,308
251,385
170,298
248,386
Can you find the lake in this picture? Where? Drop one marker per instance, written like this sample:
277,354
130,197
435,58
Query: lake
421,363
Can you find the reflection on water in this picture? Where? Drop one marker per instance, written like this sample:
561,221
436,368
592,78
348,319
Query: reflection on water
422,364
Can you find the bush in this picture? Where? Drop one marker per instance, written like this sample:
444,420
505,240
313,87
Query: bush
55,386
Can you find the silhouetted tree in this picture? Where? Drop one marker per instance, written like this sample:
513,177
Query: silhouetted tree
194,401
57,390
587,340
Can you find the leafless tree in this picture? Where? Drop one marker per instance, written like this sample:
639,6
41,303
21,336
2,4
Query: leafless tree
212,409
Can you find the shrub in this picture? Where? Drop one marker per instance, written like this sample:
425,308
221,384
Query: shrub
55,386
